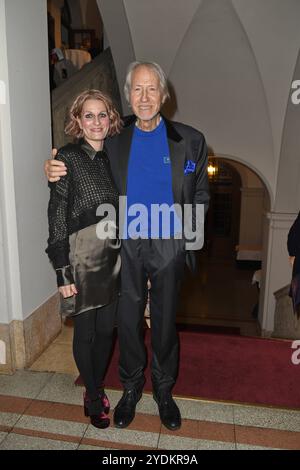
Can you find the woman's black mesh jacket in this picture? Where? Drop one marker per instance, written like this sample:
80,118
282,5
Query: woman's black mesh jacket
75,198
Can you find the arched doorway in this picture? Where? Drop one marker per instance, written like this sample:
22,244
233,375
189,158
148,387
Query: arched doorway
223,296
223,218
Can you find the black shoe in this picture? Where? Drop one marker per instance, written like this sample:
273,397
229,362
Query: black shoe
168,411
125,409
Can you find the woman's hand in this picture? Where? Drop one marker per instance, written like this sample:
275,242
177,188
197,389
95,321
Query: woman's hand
68,291
291,260
54,169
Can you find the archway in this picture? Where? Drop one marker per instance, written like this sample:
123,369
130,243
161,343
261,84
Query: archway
222,223
222,294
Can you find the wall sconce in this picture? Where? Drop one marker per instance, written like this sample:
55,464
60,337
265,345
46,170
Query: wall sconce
212,169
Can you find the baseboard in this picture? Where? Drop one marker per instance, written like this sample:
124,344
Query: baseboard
22,342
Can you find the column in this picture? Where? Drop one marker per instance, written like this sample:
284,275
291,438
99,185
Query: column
276,267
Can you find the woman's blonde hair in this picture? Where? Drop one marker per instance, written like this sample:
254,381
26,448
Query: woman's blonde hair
72,127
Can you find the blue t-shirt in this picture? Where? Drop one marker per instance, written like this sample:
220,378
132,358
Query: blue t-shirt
149,185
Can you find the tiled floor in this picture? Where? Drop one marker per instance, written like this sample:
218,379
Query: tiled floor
43,410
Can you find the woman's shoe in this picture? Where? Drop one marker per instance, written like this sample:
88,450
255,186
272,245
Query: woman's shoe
94,409
100,421
104,400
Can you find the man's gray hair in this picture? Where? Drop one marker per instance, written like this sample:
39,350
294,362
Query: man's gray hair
163,83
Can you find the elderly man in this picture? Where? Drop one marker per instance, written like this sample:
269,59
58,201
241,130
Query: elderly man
154,162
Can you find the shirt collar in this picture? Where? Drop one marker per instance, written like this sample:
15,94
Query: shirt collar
89,150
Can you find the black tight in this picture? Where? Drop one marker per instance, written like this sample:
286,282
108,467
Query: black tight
92,344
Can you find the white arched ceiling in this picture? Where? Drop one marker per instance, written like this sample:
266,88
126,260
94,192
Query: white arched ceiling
288,181
219,88
158,27
272,28
230,62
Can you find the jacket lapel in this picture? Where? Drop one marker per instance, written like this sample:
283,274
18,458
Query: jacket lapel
125,139
177,156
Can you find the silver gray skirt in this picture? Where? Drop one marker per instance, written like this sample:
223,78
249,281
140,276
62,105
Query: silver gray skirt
96,265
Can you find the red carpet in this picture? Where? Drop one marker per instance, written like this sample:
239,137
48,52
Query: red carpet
233,368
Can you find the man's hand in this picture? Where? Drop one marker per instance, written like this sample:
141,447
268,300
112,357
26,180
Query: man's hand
54,169
68,291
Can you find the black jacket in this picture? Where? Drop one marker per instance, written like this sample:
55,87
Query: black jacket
74,199
186,144
293,244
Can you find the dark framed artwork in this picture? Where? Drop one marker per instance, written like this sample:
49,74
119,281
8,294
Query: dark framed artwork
82,38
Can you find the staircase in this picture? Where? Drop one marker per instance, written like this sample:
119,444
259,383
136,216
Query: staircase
99,74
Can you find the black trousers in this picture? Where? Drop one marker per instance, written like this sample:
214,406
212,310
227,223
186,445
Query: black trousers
92,345
162,261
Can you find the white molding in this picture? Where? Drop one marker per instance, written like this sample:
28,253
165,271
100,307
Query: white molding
281,216
2,352
275,263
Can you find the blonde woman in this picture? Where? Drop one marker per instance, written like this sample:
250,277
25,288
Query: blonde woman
87,267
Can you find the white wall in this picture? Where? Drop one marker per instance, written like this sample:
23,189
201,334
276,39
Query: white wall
11,305
272,28
4,307
119,36
158,28
28,86
288,182
219,88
